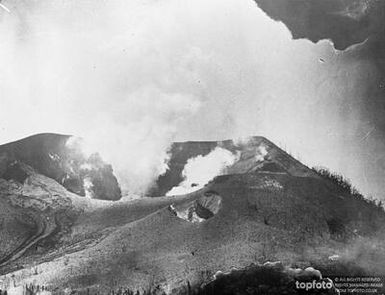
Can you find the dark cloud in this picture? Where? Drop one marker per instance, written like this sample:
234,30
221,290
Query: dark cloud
344,22
357,29
132,76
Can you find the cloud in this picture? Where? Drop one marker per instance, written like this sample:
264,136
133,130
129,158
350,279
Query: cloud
132,76
98,71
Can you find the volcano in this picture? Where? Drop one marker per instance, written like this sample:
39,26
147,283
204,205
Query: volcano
256,154
53,156
263,206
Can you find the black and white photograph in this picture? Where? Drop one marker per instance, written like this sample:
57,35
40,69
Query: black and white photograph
192,147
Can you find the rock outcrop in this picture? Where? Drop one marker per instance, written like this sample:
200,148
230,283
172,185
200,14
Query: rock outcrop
52,156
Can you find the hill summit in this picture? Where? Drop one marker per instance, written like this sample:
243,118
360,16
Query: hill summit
251,155
59,157
220,205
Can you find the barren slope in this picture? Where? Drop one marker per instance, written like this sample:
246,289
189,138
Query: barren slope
52,156
265,208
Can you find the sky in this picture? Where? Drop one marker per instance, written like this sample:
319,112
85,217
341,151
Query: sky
133,76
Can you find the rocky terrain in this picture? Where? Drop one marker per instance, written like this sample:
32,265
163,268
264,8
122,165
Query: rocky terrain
263,205
59,157
255,154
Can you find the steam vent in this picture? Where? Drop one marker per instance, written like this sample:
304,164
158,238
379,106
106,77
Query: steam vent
228,203
209,147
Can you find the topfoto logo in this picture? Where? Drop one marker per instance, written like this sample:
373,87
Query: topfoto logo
314,285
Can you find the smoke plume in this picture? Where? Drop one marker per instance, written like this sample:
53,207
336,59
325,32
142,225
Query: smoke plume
132,76
200,170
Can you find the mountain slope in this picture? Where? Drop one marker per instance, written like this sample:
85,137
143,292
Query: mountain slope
266,206
52,156
255,154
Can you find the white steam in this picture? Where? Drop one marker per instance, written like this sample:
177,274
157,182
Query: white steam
261,153
108,72
132,76
88,185
200,170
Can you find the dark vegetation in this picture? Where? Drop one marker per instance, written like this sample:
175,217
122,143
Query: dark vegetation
150,291
257,280
344,186
252,280
363,216
32,289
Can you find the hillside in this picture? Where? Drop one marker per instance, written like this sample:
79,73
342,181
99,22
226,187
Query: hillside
51,155
265,206
255,154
